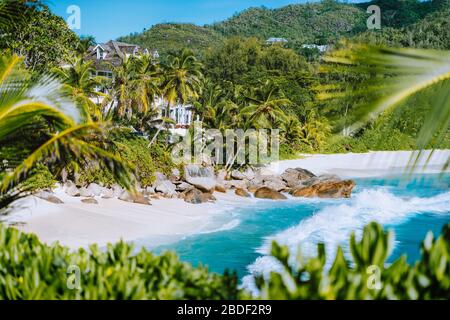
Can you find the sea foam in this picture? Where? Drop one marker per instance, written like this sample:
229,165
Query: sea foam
334,224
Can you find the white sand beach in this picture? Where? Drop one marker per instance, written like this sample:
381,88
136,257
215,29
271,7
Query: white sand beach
373,164
76,224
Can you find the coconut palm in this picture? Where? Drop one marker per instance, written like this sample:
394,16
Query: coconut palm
13,11
290,130
265,104
22,102
84,44
211,95
395,76
79,82
134,87
181,79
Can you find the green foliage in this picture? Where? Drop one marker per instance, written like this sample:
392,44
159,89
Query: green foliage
432,32
146,161
318,23
40,178
366,275
30,270
172,37
313,23
95,174
247,61
65,139
42,38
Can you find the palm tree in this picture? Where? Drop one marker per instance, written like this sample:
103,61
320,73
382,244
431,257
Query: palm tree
211,95
79,82
290,130
265,104
22,102
395,76
181,79
14,11
134,87
84,44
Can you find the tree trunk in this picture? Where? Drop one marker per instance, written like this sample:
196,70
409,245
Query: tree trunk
155,137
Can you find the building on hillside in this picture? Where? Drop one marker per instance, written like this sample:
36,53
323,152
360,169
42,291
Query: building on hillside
111,54
276,41
182,115
321,48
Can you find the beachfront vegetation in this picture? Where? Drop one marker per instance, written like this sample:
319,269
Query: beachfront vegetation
60,135
33,32
32,270
366,276
241,61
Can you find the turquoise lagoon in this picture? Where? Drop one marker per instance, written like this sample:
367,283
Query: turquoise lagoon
240,237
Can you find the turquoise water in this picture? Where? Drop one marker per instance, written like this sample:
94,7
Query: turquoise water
410,207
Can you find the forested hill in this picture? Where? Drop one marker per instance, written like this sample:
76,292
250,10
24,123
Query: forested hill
318,23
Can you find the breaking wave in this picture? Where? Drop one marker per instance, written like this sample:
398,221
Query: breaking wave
334,224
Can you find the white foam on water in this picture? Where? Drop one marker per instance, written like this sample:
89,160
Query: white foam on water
227,226
334,224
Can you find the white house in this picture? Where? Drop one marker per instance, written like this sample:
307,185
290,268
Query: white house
182,115
112,53
277,40
321,48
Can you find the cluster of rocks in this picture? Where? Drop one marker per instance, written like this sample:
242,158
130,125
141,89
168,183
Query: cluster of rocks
198,184
296,182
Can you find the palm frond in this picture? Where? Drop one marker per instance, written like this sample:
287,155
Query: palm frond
69,145
390,77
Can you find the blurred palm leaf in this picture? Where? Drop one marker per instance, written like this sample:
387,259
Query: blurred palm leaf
22,102
391,77
65,146
13,11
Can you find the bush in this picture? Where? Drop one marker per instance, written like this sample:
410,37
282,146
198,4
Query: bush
366,276
41,178
32,270
133,150
147,161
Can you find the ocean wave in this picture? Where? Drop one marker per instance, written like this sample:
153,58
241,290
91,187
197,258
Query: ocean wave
333,225
227,226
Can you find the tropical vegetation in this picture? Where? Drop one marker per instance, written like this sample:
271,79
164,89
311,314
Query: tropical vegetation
42,272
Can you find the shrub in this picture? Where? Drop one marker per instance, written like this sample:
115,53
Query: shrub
133,150
366,276
147,161
95,174
41,178
32,270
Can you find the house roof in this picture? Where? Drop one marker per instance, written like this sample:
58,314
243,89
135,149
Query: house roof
113,52
274,40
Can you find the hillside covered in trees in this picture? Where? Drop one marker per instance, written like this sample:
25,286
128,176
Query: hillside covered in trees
319,23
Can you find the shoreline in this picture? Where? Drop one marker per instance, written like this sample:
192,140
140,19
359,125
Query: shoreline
366,165
76,224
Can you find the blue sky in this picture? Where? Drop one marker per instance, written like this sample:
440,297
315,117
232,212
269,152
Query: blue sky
109,19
